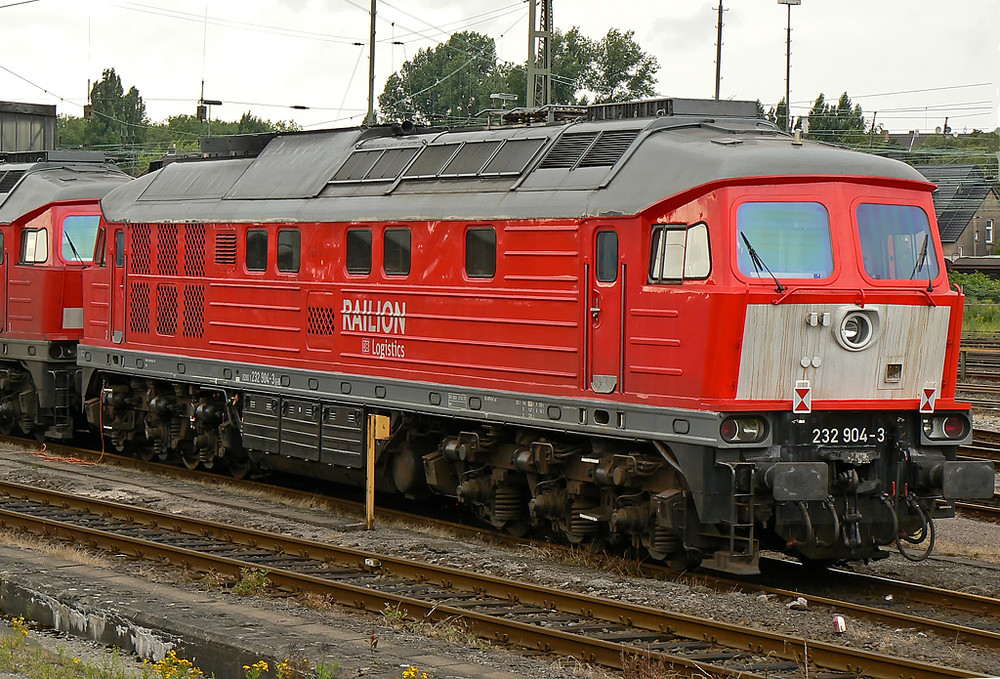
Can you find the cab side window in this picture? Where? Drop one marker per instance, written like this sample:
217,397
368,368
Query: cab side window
359,251
679,252
481,252
289,250
34,246
607,256
396,252
256,249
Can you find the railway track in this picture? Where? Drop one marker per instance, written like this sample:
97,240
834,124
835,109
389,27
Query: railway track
976,611
592,629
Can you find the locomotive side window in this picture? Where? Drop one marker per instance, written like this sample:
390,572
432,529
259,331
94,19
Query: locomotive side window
119,249
289,250
679,252
396,252
896,242
79,236
606,266
359,251
481,252
34,246
256,249
792,239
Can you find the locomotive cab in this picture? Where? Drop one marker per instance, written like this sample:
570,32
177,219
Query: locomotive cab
49,216
848,319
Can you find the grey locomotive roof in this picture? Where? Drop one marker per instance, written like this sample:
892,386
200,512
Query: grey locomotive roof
29,181
574,170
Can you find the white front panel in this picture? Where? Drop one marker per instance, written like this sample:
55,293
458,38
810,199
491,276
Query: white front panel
789,342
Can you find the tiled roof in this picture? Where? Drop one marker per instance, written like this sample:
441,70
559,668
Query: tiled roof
961,191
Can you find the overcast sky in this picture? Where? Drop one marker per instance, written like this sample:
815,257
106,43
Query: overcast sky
913,61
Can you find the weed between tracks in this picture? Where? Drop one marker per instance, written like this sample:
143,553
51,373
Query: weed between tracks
450,629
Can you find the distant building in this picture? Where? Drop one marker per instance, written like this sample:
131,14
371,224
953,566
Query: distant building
27,127
968,209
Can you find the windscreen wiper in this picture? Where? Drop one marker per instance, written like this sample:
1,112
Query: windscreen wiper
921,260
73,247
758,263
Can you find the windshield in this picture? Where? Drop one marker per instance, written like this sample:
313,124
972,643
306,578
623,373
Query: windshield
896,242
791,239
79,235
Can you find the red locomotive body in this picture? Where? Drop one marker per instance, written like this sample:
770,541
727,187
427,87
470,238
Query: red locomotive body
690,333
49,215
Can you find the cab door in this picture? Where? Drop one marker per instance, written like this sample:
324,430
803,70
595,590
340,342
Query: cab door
118,287
604,300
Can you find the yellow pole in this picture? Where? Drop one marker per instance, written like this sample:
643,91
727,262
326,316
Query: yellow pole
370,475
378,429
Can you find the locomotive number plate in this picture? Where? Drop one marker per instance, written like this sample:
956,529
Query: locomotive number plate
853,430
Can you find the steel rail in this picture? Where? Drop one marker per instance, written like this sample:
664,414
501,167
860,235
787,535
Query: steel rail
936,597
738,637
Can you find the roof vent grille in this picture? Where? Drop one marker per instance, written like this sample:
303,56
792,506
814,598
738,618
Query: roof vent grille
609,149
568,150
8,179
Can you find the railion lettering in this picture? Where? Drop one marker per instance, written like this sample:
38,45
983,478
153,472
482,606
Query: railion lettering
384,317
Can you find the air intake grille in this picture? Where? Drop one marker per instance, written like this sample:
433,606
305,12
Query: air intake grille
610,147
194,310
568,150
141,240
8,179
139,311
322,321
166,252
194,250
166,310
589,149
225,248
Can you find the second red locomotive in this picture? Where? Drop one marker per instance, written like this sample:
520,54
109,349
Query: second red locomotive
687,332
49,217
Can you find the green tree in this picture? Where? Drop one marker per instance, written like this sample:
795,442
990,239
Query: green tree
451,82
620,70
119,122
70,131
840,124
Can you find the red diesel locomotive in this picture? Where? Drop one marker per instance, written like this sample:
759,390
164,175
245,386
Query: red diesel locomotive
49,216
687,332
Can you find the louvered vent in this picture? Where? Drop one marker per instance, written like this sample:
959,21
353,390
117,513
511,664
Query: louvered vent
139,310
194,250
610,147
166,250
225,248
141,240
8,179
166,309
589,149
194,310
322,321
568,150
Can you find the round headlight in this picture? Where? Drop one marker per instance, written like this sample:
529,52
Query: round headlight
856,330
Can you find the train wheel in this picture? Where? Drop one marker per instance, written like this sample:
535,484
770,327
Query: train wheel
239,466
190,461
